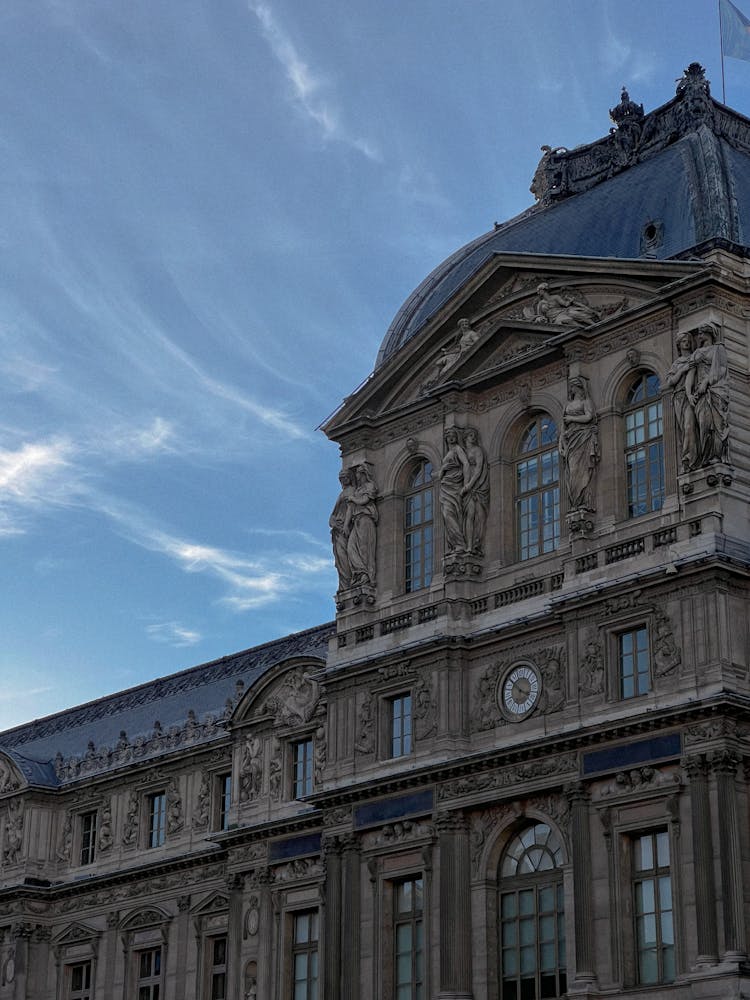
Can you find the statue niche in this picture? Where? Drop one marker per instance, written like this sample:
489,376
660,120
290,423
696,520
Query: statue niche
464,499
353,524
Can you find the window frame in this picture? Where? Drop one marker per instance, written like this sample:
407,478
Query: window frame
216,971
87,837
156,826
302,784
632,631
412,918
656,874
154,981
546,495
421,532
654,496
222,783
309,949
405,736
86,992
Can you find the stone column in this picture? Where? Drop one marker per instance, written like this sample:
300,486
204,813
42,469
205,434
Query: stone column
183,929
580,836
332,922
21,933
455,906
725,767
111,952
235,884
266,931
350,915
703,861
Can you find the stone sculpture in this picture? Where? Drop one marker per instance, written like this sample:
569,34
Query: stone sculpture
251,769
175,818
464,494
203,806
454,474
339,524
591,672
460,344
676,379
579,444
106,838
362,519
13,833
65,842
562,307
476,493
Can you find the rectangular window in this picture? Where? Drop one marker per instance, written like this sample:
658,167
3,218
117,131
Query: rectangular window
218,959
652,899
157,819
223,800
88,837
634,663
302,768
305,956
418,540
400,725
408,940
79,981
149,974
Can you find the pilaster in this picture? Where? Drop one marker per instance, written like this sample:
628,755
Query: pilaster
332,965
724,763
455,907
350,913
697,770
578,797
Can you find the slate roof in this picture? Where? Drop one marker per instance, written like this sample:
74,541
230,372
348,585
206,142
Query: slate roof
687,172
190,707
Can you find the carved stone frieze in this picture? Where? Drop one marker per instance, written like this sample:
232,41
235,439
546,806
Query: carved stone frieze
397,833
404,668
516,388
298,870
140,888
293,700
9,779
249,853
563,306
13,835
624,339
508,777
201,814
714,729
552,668
624,602
638,779
337,816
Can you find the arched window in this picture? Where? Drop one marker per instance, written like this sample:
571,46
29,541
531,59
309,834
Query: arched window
644,446
532,919
418,514
538,489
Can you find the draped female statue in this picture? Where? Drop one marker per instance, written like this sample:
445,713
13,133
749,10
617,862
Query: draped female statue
708,390
362,519
454,473
579,444
475,493
676,378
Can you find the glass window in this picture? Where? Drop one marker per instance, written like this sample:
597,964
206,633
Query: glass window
538,490
400,725
302,764
418,514
218,958
408,940
157,819
88,838
634,663
224,800
644,447
305,956
149,974
79,981
532,918
652,908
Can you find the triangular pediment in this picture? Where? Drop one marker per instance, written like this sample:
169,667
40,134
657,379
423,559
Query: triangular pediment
216,902
76,933
515,307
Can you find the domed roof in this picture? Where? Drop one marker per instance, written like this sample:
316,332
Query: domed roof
656,186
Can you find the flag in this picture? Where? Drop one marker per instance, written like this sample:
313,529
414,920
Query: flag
735,31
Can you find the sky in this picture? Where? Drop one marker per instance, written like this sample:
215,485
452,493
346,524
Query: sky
210,211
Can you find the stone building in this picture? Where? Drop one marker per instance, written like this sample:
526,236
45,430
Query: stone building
516,765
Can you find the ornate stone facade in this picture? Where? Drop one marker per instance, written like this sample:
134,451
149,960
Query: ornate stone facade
530,712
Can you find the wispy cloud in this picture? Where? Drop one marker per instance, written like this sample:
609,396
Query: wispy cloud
26,472
173,634
306,86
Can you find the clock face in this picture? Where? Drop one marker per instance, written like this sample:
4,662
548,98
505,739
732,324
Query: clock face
520,691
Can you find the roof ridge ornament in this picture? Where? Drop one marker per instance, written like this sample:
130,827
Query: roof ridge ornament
627,112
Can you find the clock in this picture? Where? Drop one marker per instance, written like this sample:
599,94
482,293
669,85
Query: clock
519,691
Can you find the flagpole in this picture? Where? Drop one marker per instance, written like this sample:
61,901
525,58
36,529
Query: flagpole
721,44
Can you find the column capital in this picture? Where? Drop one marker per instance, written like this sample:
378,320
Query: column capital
451,822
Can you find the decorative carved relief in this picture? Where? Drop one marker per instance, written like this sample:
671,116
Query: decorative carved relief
552,667
252,917
202,812
460,344
397,833
320,755
425,709
65,840
364,740
713,729
302,868
567,307
130,829
699,381
591,670
579,444
106,837
176,881
175,818
337,816
556,807
549,664
507,777
275,771
637,779
667,656
484,824
8,779
249,853
251,768
13,838
294,700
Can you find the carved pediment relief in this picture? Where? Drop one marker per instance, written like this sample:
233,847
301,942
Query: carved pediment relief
76,933
293,699
217,902
11,778
149,917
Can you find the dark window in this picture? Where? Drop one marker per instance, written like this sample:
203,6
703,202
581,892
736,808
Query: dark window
644,447
418,514
79,981
408,940
157,819
224,800
218,955
538,490
302,768
305,956
634,663
532,920
652,907
149,974
88,838
400,725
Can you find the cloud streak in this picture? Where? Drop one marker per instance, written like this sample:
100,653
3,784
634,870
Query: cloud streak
305,85
173,634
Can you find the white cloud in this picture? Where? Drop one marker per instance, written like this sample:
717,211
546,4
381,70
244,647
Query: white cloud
173,634
305,85
26,472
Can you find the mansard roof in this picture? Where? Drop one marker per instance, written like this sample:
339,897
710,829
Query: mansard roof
659,185
188,708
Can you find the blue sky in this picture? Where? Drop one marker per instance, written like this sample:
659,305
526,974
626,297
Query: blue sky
211,211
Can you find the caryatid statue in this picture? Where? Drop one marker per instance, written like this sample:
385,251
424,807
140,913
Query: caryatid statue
579,444
340,526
